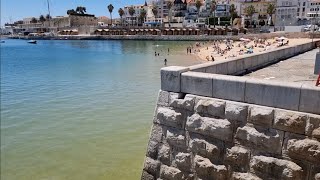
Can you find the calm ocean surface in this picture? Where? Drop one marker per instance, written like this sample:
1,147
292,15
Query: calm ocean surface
79,109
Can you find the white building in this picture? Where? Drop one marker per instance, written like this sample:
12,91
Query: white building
133,20
286,12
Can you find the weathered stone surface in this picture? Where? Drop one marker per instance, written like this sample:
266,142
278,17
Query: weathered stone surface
173,96
210,106
316,133
261,115
290,121
170,173
244,176
313,124
146,176
186,103
262,139
238,158
216,128
306,149
206,170
156,133
163,98
170,78
183,161
176,138
317,176
164,154
169,117
151,166
152,150
204,148
236,111
273,168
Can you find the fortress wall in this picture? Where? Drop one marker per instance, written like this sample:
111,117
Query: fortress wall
197,137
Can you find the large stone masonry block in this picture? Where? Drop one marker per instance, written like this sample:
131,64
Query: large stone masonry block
151,166
267,140
290,121
263,58
244,176
170,173
209,106
238,158
197,83
207,171
169,117
163,98
200,146
146,176
248,62
236,111
187,103
305,149
216,128
176,138
310,99
170,78
228,87
272,93
209,67
182,161
261,115
273,168
164,154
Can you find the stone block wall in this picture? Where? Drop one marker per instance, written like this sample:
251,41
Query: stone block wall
196,137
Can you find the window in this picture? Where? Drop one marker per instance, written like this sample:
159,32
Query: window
303,9
304,3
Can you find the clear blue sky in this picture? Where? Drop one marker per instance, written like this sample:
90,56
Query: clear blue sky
13,10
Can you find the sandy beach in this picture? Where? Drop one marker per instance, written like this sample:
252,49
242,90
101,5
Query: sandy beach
224,50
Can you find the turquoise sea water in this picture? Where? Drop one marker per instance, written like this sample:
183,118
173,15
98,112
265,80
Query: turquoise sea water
79,109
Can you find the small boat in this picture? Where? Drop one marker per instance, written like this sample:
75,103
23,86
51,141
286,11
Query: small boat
2,41
32,42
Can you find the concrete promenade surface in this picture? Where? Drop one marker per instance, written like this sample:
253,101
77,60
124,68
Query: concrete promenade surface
299,68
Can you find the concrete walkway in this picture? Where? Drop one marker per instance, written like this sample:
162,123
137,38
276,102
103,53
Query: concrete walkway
296,69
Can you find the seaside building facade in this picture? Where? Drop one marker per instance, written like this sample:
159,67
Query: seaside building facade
286,13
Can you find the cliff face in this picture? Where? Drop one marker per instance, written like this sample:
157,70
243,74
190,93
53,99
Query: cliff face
196,137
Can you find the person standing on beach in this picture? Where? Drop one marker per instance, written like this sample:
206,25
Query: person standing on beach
165,62
168,50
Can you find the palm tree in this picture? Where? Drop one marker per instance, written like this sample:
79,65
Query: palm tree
198,6
143,14
233,12
250,10
213,9
121,13
131,12
110,8
33,20
169,6
48,17
42,19
271,10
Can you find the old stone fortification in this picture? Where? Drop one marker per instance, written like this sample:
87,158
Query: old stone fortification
216,126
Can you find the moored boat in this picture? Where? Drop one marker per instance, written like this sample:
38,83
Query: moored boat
32,42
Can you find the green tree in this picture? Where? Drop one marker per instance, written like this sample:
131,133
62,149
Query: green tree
110,9
169,6
33,20
121,13
143,14
71,12
271,10
42,19
198,6
131,12
250,10
213,10
233,12
81,10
